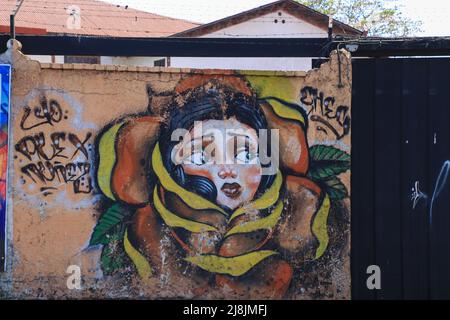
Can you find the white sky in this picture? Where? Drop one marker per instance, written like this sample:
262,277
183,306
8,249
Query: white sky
435,14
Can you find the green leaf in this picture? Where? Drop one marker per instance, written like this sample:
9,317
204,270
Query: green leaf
111,218
112,257
335,188
378,17
322,152
327,162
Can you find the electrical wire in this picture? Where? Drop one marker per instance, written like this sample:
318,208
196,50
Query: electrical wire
97,28
224,33
88,18
63,12
90,21
83,3
96,3
133,16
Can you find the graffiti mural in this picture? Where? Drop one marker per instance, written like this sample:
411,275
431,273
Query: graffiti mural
52,159
179,183
5,75
180,218
327,117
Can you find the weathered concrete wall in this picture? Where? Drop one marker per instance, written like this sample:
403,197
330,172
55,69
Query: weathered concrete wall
92,185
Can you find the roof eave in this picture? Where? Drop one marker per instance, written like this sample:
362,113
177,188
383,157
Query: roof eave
288,5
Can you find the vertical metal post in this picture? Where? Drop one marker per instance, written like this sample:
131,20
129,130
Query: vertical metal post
12,26
340,85
330,28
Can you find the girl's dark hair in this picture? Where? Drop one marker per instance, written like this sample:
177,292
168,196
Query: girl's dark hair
214,102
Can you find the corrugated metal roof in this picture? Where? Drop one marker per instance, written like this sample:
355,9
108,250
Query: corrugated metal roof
94,17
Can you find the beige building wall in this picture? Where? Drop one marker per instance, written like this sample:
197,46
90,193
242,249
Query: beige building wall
91,198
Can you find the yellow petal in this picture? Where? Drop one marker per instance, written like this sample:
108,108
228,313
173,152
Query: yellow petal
141,263
107,159
268,222
266,200
319,227
175,221
234,266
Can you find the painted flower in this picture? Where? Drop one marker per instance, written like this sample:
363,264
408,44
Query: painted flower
206,222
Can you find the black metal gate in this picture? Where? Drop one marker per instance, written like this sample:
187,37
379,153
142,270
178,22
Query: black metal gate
400,192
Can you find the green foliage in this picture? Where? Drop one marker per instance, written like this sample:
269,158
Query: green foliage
110,219
328,7
378,17
112,258
109,232
335,188
326,163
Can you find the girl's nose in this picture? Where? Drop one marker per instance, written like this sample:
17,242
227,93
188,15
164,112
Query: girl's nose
226,172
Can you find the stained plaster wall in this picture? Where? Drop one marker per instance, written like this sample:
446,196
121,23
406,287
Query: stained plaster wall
50,224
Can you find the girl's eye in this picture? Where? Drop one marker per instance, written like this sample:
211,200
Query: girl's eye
246,157
197,158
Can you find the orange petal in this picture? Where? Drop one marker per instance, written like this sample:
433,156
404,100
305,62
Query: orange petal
135,140
293,148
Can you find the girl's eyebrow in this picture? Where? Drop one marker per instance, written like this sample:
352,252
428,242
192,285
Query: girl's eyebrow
248,138
192,142
239,134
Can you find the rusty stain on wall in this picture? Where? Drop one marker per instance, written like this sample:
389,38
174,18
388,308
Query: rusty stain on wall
94,184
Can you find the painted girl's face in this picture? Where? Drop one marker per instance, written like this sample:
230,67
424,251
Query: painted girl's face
225,152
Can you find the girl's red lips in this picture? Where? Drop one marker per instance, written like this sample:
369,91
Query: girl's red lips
231,190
